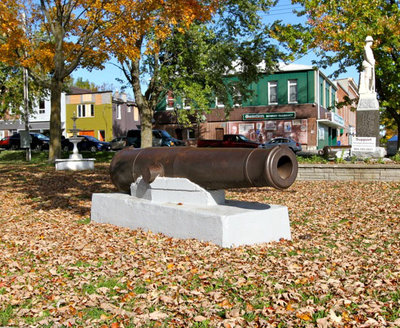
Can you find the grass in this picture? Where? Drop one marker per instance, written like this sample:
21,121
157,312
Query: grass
41,157
286,283
5,315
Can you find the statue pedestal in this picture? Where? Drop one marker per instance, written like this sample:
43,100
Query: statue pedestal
367,118
368,101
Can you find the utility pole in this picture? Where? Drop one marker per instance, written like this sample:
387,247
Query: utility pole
26,100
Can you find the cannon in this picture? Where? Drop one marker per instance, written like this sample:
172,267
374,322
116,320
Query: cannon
210,168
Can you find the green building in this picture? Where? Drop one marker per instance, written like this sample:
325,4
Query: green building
296,101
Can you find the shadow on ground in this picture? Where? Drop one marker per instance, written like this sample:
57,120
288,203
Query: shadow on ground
44,188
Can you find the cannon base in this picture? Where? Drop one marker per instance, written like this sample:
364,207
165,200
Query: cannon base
234,223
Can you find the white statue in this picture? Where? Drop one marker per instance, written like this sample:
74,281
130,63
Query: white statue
367,76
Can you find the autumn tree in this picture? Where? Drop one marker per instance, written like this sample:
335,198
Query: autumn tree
12,93
338,30
54,37
188,46
137,39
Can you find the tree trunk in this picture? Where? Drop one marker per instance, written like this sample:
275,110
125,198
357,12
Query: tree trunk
55,120
146,123
145,111
396,116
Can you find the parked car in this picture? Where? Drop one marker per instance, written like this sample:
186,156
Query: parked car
118,143
88,143
293,145
229,140
39,141
5,142
161,138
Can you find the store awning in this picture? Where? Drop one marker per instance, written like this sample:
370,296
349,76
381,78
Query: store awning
331,124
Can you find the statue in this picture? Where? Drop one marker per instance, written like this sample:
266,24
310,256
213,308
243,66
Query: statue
367,76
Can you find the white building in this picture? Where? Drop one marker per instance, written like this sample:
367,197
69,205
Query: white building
39,120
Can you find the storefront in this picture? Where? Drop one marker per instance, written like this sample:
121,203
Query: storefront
262,127
328,129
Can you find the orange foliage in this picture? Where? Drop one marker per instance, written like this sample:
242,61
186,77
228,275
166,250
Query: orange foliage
152,20
125,22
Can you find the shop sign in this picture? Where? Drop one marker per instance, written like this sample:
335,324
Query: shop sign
338,119
269,116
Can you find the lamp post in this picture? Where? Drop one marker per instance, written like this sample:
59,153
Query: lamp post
28,154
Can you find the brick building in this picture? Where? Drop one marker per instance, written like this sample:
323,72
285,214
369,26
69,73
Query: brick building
296,101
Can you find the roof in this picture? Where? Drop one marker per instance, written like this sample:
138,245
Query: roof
347,84
294,67
80,91
281,67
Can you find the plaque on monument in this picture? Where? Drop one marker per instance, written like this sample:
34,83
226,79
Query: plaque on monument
363,144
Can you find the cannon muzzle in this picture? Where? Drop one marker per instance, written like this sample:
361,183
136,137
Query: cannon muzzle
210,168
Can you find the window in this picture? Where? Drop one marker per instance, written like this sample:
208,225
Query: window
129,109
41,106
273,92
170,102
219,103
85,110
327,95
135,114
190,134
292,88
80,111
186,103
118,112
237,98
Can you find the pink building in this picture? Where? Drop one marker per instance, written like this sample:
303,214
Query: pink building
347,89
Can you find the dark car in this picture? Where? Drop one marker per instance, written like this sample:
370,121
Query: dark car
293,145
38,141
118,143
229,140
88,143
5,142
161,138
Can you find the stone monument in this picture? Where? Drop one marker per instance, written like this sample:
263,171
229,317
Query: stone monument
366,142
75,162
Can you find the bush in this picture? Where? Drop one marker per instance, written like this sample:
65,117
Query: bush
314,159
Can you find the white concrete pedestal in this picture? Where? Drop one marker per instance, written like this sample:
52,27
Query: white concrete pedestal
233,224
75,164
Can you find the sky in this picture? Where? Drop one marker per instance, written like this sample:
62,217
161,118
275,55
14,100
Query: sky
283,10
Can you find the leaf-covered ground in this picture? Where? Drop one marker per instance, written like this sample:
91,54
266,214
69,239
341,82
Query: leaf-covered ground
341,268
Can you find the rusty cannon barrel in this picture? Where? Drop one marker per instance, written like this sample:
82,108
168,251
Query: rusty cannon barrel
210,168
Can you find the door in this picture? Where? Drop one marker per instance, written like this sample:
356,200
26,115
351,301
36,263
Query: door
219,133
86,133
